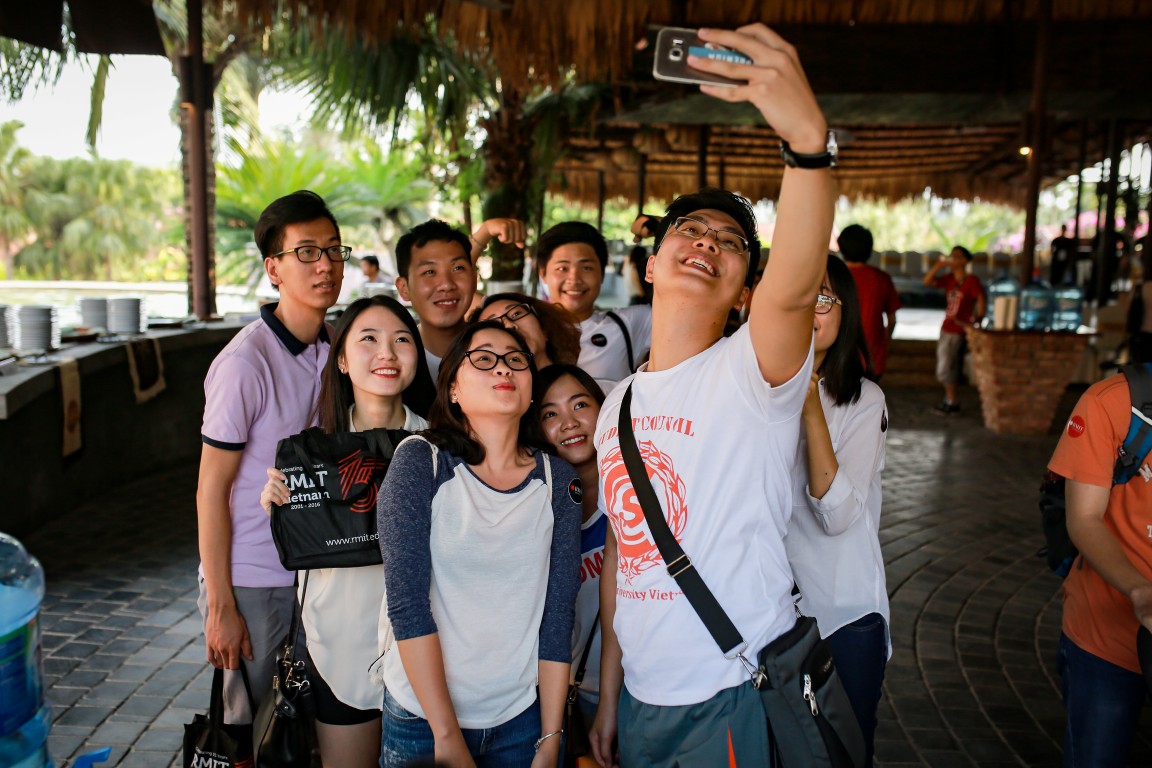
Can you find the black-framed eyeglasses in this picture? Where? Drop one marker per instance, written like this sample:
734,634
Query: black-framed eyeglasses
694,229
514,313
309,254
824,303
486,359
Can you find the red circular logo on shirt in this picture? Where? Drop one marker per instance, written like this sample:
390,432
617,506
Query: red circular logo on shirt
1075,426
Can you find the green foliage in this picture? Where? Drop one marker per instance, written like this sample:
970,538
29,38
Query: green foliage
927,224
26,67
361,185
85,218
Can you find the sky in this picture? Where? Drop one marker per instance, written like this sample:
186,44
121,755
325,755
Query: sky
137,122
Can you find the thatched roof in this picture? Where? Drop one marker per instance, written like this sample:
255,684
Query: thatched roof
927,93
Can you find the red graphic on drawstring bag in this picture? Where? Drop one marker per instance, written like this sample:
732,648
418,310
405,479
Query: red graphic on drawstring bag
637,551
357,471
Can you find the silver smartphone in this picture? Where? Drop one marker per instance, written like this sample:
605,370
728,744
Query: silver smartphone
674,44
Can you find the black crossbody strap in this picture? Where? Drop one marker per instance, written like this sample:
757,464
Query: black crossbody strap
679,567
579,678
627,339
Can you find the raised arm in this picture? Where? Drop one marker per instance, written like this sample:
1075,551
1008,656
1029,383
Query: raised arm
780,317
504,230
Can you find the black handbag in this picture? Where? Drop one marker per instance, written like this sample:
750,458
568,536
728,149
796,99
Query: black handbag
208,741
576,743
283,733
330,519
810,718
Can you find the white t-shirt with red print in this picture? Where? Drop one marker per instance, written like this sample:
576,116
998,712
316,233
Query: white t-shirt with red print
719,443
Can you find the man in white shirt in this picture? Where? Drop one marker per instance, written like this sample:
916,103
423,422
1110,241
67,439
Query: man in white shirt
573,256
437,274
717,423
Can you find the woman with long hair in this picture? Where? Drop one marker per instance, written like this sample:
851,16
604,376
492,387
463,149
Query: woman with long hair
569,404
376,376
480,535
833,538
551,331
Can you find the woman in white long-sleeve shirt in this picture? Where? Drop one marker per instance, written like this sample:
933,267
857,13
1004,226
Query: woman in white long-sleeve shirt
832,542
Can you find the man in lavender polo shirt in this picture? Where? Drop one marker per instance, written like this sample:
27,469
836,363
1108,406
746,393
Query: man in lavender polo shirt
262,387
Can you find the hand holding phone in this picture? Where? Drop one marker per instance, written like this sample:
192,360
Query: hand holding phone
673,47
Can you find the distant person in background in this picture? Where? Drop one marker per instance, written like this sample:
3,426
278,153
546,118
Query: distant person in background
878,297
370,266
639,288
1063,257
966,304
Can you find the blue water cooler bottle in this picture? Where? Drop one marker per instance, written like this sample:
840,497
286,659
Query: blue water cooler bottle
24,717
1068,307
1035,305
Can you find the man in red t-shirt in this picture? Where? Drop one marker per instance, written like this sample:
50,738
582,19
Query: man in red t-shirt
876,291
1108,593
965,307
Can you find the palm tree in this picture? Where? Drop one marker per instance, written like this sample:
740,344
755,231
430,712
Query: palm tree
14,223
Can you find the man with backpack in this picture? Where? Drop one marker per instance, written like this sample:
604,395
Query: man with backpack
1108,592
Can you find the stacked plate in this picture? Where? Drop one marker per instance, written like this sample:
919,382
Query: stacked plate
94,312
4,343
125,315
34,328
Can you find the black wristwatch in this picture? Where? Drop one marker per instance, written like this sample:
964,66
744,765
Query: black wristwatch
825,159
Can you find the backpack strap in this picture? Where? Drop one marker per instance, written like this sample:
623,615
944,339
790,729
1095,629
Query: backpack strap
1138,442
627,339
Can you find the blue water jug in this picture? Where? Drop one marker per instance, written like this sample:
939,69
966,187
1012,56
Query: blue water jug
1035,305
1002,287
1067,308
24,717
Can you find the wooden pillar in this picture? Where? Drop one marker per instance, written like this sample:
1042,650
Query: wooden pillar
641,182
1105,247
202,303
702,158
1036,124
600,201
1082,160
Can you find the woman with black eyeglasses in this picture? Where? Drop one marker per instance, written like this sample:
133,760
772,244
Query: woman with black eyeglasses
480,535
833,537
550,330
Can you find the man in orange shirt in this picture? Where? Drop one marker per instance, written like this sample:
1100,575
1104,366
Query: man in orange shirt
878,298
1108,593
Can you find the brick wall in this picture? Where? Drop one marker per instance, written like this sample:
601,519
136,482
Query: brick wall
1022,375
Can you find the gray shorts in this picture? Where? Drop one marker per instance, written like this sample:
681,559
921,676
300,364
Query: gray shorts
948,357
267,612
730,728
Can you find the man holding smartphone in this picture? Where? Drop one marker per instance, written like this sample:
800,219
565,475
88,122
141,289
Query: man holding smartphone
718,423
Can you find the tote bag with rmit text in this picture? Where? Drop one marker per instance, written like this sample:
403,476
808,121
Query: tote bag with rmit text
330,518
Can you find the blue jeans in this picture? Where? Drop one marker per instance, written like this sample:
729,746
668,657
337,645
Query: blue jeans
1103,702
406,739
860,650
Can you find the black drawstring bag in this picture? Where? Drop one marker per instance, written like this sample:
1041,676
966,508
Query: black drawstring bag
330,520
208,741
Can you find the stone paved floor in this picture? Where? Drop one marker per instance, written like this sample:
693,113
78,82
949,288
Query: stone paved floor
975,615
